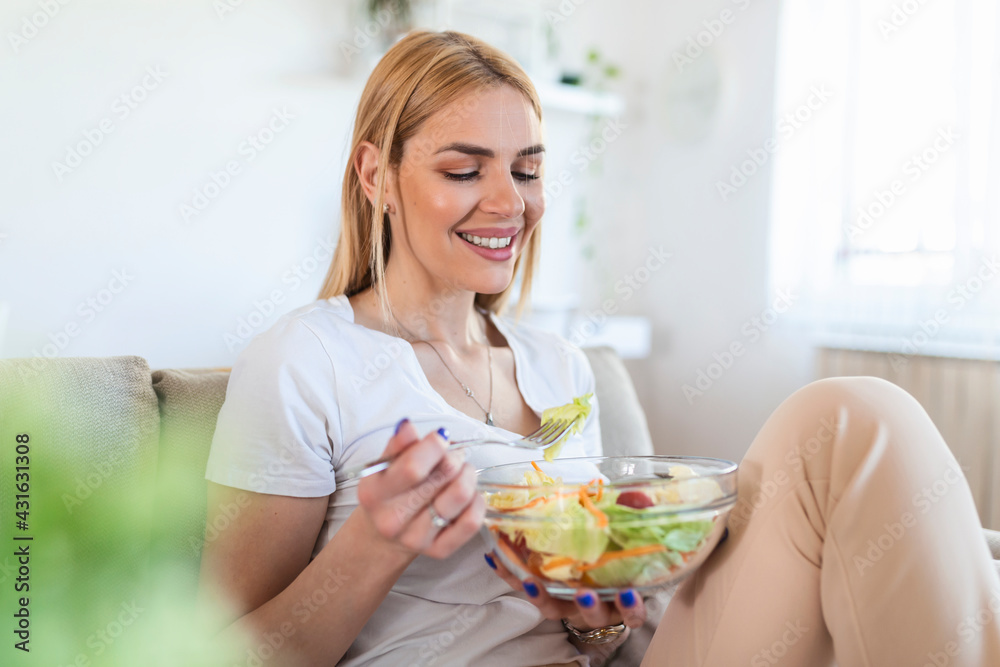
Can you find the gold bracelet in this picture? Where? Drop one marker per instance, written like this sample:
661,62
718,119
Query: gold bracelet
598,635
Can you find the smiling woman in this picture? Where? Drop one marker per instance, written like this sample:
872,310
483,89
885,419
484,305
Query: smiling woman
443,197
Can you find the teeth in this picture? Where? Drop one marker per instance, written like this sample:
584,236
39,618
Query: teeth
487,242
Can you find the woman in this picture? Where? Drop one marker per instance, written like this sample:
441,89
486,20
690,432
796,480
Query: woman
441,203
442,199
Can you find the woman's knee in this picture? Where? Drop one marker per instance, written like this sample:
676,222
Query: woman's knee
834,410
857,397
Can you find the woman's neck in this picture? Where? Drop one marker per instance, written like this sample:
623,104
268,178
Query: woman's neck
433,312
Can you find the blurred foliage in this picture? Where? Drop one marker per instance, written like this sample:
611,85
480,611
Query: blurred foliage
97,595
597,76
401,11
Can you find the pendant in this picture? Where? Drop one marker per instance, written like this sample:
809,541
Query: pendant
489,419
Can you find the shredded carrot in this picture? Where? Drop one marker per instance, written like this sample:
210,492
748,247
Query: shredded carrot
536,501
625,553
602,518
535,466
512,554
531,503
597,483
559,562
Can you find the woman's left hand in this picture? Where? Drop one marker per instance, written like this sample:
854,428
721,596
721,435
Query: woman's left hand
586,612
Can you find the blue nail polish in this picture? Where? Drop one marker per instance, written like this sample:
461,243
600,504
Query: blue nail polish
443,432
627,598
586,600
531,589
400,424
489,561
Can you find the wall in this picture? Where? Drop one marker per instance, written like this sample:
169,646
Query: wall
166,282
659,189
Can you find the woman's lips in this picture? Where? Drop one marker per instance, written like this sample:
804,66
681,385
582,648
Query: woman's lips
494,254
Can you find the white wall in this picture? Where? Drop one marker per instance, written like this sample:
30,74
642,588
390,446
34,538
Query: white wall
659,189
193,282
220,79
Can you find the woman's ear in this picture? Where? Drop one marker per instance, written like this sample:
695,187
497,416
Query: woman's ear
366,166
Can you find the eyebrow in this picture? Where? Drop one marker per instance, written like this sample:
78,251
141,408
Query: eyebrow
472,149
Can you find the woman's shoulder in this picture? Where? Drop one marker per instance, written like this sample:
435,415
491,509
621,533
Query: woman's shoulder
325,324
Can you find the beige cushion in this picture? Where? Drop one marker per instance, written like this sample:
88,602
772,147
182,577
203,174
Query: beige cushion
189,406
623,423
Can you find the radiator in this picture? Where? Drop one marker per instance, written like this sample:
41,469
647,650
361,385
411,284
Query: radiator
962,397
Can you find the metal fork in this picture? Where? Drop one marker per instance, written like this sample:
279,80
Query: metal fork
543,437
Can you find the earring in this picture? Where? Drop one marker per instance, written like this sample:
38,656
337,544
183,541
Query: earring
385,208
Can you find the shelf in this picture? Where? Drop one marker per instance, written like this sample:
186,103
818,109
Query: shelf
576,99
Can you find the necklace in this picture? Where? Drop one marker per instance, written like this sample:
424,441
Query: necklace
488,411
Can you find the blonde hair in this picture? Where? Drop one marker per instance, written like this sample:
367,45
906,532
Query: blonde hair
420,75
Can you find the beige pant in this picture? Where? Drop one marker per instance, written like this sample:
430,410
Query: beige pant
855,537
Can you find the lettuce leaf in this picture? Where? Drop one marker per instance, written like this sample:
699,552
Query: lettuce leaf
574,532
635,570
576,412
630,529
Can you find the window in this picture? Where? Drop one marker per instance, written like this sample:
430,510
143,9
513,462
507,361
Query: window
886,207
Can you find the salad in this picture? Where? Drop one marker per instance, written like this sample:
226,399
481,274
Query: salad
575,412
599,535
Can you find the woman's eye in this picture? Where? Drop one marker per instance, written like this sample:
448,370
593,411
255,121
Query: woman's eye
525,177
467,176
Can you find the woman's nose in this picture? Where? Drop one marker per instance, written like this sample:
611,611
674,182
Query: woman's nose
503,197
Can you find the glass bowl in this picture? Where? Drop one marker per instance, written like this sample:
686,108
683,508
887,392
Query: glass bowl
607,523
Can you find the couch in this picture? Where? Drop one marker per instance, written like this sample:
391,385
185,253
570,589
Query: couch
137,441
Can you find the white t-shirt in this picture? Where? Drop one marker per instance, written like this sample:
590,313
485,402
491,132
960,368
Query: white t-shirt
316,393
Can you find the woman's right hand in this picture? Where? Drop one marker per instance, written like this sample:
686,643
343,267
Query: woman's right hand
423,474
